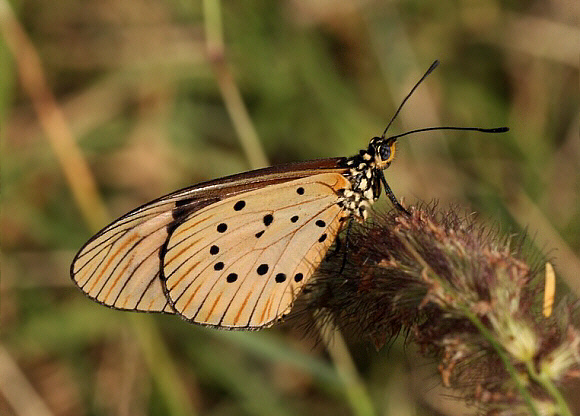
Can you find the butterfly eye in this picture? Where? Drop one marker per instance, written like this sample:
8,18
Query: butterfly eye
385,152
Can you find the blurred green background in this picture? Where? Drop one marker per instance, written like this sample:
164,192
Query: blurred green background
149,92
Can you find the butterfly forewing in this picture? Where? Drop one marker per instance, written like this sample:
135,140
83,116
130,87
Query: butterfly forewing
240,263
119,267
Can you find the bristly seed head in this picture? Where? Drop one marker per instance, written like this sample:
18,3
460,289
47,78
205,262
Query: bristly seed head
435,275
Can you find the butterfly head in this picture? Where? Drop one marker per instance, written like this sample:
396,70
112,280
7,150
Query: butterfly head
383,151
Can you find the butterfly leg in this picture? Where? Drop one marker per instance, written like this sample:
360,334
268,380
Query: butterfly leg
349,226
338,241
391,195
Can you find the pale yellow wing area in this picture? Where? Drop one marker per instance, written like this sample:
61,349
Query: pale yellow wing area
241,262
119,267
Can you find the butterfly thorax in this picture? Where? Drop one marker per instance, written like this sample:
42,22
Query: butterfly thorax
365,184
364,174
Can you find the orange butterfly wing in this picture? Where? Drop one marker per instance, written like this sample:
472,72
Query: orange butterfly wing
241,262
119,267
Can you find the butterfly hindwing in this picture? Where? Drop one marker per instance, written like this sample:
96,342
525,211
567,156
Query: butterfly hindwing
241,262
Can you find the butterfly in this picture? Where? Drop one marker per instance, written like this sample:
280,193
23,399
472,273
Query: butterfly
235,252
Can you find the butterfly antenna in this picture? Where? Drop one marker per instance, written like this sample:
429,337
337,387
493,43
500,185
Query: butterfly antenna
494,130
431,68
